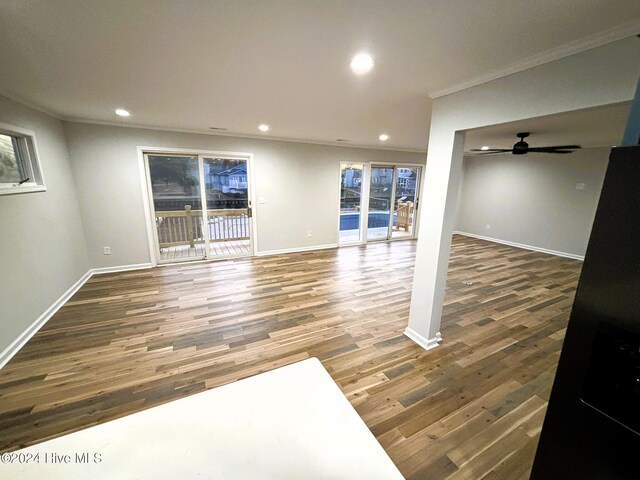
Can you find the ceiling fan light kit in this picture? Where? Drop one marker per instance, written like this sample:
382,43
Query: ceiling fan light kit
521,148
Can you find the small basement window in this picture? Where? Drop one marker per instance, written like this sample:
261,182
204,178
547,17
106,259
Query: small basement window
20,170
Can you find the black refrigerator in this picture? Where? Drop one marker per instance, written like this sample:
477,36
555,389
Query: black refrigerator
592,426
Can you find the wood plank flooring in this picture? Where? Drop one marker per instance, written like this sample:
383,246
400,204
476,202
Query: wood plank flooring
471,408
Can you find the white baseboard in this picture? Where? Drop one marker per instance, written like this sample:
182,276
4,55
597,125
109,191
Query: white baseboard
426,343
296,250
19,342
522,245
15,346
120,268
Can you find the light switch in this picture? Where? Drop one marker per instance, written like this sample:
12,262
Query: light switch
262,200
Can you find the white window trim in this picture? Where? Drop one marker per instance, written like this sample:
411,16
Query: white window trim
34,169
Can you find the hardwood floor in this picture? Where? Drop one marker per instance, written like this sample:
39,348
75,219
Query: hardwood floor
471,408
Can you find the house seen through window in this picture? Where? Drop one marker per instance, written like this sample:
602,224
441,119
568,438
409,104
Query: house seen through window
19,166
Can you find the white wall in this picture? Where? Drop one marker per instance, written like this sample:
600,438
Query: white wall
601,76
532,199
42,239
300,182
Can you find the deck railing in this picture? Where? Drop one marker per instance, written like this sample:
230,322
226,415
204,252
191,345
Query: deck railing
228,224
185,227
404,214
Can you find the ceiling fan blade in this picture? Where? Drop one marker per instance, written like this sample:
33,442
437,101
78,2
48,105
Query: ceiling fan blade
550,150
554,147
479,151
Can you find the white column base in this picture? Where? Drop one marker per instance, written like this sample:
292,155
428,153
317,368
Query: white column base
426,343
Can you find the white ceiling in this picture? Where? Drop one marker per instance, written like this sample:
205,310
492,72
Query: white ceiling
592,127
191,65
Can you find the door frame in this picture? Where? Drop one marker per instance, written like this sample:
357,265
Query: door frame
364,199
147,195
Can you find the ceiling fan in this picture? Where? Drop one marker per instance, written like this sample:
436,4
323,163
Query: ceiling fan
522,147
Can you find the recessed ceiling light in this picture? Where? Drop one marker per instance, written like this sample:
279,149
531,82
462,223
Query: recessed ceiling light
121,112
362,63
384,137
484,147
264,127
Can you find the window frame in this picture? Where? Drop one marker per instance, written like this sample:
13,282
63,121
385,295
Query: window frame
28,159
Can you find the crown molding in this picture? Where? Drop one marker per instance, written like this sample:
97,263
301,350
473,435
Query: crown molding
624,30
28,103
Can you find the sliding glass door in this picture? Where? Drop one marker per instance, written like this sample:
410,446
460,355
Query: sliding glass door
228,206
406,184
200,205
380,202
350,203
177,207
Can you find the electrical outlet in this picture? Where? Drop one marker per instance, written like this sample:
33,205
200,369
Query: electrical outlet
580,186
487,227
107,250
309,233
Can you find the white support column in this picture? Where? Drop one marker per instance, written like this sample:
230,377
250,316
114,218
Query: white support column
601,76
437,218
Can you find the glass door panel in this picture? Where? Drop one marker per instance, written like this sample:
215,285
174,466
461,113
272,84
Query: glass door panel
406,186
177,207
228,208
380,203
350,203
